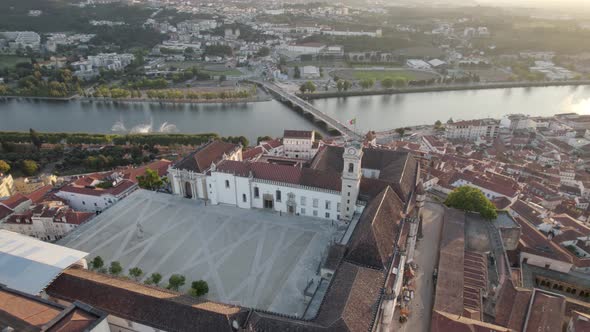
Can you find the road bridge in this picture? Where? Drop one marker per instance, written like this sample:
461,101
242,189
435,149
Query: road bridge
307,108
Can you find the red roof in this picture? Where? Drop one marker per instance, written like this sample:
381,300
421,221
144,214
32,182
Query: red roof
120,188
161,166
14,200
534,242
4,211
38,195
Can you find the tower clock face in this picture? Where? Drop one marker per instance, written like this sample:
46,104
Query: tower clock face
351,151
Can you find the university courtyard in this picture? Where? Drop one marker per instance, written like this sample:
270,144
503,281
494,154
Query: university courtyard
255,258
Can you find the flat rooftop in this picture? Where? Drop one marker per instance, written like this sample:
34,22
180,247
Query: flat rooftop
253,258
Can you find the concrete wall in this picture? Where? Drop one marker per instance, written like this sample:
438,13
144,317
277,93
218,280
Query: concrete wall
540,261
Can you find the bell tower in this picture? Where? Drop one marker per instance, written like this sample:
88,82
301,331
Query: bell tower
351,179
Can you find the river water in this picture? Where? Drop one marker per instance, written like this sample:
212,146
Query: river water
271,117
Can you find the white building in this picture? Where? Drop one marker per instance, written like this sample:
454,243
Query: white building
188,176
49,221
472,130
299,144
96,193
310,72
418,64
21,40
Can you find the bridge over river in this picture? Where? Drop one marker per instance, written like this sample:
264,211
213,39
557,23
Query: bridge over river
308,109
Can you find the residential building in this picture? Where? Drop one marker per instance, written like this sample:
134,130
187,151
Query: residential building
472,130
95,193
6,185
299,144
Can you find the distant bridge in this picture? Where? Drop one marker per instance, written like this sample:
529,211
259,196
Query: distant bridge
307,108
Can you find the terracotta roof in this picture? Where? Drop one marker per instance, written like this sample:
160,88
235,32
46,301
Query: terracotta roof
27,313
349,305
118,189
568,221
4,211
372,241
200,160
546,312
512,306
155,307
14,201
39,194
299,134
160,166
534,242
252,153
527,212
282,174
450,282
446,322
397,168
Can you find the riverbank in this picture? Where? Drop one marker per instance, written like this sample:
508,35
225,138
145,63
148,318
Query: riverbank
174,101
36,98
441,88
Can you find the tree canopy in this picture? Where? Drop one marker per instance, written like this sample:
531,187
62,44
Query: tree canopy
199,288
307,87
97,263
115,268
176,281
151,180
471,199
4,167
135,273
29,167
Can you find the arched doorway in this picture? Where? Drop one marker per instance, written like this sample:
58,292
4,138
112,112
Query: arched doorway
188,192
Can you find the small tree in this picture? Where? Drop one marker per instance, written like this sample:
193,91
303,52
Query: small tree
307,87
97,263
367,83
400,131
115,268
437,124
471,199
29,167
135,273
400,82
154,279
151,180
176,281
4,167
387,83
35,139
296,72
199,288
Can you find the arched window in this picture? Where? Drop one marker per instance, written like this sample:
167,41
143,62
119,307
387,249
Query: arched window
350,167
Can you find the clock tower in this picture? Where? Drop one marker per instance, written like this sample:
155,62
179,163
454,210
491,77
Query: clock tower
351,179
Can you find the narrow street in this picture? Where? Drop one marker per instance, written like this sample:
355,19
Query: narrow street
426,256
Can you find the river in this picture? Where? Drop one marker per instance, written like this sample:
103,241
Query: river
271,117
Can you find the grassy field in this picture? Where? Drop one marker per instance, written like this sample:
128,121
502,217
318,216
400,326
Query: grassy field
8,61
379,75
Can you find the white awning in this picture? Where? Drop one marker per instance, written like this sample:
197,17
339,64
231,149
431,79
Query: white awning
29,265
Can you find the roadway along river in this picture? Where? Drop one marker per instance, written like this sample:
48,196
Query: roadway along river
271,117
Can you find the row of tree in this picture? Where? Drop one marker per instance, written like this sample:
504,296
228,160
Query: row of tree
175,282
27,166
193,95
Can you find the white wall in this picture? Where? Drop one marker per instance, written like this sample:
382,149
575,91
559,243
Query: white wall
221,193
540,261
87,203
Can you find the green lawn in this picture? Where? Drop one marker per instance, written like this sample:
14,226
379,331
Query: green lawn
227,72
379,75
8,61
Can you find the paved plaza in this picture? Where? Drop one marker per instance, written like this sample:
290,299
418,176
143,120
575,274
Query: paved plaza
254,258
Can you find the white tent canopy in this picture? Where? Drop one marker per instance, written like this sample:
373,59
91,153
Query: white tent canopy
29,265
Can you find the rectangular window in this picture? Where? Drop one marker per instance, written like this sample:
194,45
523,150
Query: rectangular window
227,183
328,205
278,195
327,215
303,200
256,192
244,198
315,213
302,211
338,206
316,202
